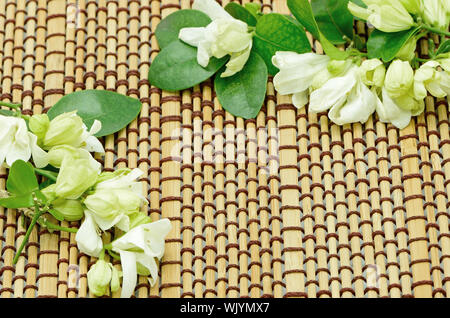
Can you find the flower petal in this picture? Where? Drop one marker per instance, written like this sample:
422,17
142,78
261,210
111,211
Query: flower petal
237,62
389,112
87,237
212,9
94,145
149,263
40,157
332,93
300,99
128,261
192,36
361,103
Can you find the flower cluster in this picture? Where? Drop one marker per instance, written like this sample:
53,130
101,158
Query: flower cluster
352,93
354,88
401,15
76,188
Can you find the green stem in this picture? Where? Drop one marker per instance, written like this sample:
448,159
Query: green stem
52,226
114,255
10,105
45,173
37,215
435,30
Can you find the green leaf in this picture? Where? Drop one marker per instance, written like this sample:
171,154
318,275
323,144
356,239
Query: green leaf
332,51
333,19
6,112
113,110
443,48
302,11
254,9
239,12
275,32
243,94
176,68
385,46
169,27
21,178
17,201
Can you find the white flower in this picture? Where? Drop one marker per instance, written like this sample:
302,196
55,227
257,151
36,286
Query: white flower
428,77
385,15
17,143
435,14
372,72
225,35
114,199
389,112
347,97
296,74
138,248
399,78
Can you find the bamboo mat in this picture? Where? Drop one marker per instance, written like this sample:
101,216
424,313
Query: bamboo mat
285,205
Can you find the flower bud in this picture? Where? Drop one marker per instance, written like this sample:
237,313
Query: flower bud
72,210
75,177
57,154
99,278
65,129
435,14
385,15
408,50
38,125
49,192
372,72
399,78
115,279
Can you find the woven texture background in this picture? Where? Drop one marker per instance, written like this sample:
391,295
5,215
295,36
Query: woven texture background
284,205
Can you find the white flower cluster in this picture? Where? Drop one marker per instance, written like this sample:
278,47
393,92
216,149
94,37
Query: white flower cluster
400,15
105,199
352,93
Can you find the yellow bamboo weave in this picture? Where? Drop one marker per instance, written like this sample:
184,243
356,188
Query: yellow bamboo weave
284,205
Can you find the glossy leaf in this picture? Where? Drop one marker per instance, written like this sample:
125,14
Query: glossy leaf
333,19
302,11
254,9
385,46
169,27
275,32
239,12
21,178
176,68
113,110
17,201
243,94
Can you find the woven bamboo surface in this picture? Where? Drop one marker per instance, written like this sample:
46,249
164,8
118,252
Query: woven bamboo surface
284,205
